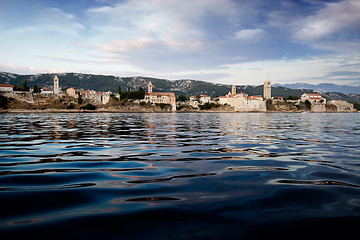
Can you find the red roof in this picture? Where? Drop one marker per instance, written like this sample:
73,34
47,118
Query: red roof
6,85
252,98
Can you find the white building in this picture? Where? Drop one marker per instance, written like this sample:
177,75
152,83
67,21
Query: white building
241,102
204,99
6,88
47,91
194,102
313,98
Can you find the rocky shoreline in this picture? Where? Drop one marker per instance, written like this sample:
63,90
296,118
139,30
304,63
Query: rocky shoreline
134,111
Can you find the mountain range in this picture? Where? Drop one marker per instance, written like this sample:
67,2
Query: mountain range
324,87
179,87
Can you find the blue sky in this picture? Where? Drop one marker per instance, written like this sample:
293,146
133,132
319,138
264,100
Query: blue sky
223,41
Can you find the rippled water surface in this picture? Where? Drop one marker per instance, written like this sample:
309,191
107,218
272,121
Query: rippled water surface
179,176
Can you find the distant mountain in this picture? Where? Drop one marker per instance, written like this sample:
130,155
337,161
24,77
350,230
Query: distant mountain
324,87
179,87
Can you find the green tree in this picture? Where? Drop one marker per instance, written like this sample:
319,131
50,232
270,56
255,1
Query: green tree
308,104
141,93
26,86
37,89
181,98
80,100
88,106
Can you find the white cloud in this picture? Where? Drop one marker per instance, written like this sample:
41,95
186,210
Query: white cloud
28,70
52,21
250,34
176,24
334,18
315,70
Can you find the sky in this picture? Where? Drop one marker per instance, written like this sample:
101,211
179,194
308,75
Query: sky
221,41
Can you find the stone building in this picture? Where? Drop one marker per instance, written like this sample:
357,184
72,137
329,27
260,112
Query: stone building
91,95
342,105
241,102
160,97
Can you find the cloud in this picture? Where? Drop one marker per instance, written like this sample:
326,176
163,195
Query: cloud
176,24
28,70
250,34
318,70
335,18
51,21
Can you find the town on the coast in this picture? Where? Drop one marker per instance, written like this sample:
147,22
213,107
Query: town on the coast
45,99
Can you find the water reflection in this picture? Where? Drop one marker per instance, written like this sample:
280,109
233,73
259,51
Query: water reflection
248,168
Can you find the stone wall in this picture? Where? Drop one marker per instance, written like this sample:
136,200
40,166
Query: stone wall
20,96
318,108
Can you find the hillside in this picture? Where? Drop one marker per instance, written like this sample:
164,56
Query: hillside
325,87
179,87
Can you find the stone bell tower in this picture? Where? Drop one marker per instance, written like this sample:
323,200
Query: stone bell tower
267,89
150,88
233,90
56,85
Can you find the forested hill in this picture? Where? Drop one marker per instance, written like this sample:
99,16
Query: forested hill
179,87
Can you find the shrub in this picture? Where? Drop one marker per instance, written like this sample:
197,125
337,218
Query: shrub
208,106
163,105
88,107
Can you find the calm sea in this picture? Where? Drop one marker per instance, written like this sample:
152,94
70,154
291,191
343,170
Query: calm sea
179,176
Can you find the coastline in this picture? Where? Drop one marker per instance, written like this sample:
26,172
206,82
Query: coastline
50,110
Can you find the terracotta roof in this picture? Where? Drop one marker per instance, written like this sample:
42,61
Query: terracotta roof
6,85
313,94
252,98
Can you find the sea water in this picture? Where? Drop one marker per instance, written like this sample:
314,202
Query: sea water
179,175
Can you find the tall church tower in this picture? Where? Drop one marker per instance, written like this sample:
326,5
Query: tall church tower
150,88
233,90
267,89
56,85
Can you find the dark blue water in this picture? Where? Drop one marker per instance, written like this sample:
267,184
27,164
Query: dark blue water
179,176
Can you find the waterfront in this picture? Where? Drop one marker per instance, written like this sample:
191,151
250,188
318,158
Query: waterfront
179,176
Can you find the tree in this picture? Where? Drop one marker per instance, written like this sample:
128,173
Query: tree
88,106
26,86
181,98
308,104
37,89
141,93
80,100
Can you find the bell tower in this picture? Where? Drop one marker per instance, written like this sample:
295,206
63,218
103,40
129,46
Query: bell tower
267,88
56,85
233,90
150,86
